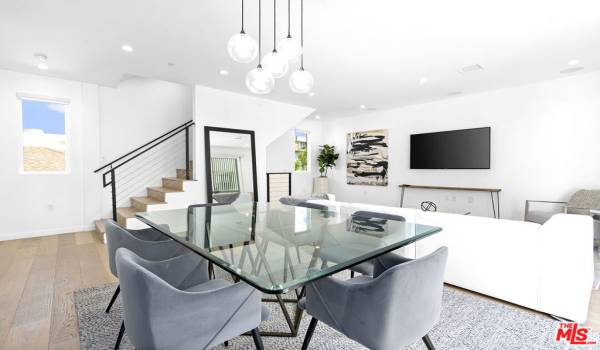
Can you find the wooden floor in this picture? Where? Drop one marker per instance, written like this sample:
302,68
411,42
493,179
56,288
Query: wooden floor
37,280
39,275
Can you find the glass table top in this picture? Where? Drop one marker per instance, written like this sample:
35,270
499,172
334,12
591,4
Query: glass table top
276,247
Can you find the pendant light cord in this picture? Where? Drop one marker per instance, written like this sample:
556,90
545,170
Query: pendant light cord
274,26
302,34
289,19
259,34
242,32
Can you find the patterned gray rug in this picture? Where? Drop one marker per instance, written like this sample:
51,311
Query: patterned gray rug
467,322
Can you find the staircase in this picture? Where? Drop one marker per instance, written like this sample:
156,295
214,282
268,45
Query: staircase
175,192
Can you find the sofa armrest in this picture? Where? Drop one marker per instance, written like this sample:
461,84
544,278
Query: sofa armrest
566,266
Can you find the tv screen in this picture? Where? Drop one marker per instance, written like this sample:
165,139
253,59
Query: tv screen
456,149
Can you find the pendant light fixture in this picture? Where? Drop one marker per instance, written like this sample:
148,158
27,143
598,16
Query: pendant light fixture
274,61
258,80
242,47
290,47
301,81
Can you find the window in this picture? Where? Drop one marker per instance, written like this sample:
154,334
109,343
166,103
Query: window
44,127
225,177
300,150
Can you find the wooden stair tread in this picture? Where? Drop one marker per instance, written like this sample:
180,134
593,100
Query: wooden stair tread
127,212
164,189
147,200
100,225
176,179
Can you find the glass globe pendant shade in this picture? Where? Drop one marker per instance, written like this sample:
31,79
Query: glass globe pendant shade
301,82
290,48
259,81
275,64
242,48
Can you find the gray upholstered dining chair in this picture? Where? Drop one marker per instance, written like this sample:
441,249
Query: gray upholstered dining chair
398,305
367,267
173,305
147,243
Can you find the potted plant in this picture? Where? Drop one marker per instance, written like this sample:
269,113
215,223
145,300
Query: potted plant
326,159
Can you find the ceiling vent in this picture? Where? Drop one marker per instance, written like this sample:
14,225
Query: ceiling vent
471,68
571,70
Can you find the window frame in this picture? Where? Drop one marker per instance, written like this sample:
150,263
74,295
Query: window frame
308,167
21,142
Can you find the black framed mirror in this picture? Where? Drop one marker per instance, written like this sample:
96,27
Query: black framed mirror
230,161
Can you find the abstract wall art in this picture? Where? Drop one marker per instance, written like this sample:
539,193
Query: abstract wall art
367,158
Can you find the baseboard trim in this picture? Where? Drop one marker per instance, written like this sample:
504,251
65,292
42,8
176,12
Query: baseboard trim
42,233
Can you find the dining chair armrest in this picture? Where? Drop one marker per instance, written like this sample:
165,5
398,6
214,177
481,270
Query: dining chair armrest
384,262
326,298
181,272
224,312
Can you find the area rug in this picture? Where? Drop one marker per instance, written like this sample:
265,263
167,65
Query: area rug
467,322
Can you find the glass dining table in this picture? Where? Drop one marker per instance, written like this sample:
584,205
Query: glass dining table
278,248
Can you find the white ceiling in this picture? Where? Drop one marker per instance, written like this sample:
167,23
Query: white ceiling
360,51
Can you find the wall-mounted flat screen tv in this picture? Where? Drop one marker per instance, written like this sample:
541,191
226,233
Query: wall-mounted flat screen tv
456,149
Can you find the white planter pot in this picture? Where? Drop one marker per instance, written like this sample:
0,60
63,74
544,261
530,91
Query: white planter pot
321,185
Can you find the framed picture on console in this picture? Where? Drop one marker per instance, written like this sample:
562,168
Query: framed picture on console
367,158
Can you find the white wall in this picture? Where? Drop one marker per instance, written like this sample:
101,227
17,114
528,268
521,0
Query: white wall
37,204
139,110
103,121
280,156
545,145
268,119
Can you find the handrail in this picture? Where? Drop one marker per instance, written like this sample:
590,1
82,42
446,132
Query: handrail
182,127
126,158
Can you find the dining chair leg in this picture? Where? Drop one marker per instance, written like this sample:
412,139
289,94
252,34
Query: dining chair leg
120,337
226,343
428,342
112,300
309,333
351,274
257,339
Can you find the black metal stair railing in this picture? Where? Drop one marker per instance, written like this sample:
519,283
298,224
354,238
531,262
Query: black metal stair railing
145,160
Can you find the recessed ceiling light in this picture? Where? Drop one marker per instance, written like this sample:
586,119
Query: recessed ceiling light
571,70
471,68
223,72
42,61
573,62
362,107
171,64
127,48
454,93
423,80
317,116
311,94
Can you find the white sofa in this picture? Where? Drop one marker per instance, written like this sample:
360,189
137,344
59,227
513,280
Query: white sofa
547,267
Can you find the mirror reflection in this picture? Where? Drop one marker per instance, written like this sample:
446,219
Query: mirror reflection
231,167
